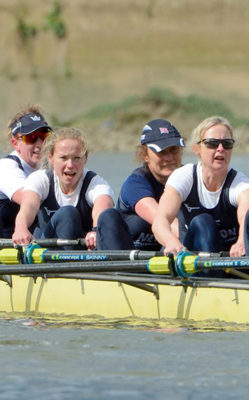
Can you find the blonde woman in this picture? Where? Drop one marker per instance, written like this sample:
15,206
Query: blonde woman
212,197
69,196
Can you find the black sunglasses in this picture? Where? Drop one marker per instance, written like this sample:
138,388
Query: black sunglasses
211,143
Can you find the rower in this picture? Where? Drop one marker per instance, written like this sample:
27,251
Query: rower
213,197
26,131
68,196
129,225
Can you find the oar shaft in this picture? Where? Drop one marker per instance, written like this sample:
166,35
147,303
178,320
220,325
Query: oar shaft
221,262
97,255
99,266
38,255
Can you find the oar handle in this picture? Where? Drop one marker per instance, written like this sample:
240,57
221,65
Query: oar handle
50,242
60,242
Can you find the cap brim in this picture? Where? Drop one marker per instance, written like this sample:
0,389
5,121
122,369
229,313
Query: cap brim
26,130
163,144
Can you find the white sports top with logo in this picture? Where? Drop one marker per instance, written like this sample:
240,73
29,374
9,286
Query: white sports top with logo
182,181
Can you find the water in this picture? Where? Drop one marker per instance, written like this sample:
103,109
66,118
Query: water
119,359
76,363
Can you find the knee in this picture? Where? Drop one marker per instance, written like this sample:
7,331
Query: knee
108,216
247,220
68,212
203,220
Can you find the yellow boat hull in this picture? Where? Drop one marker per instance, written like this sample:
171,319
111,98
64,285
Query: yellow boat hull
112,299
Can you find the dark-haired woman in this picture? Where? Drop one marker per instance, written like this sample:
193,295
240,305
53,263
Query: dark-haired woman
160,153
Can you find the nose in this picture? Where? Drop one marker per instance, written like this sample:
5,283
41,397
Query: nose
220,147
165,154
38,141
69,163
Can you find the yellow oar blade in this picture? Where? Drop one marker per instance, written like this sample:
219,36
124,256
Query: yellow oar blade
161,265
10,256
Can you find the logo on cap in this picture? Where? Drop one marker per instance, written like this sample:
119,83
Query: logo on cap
18,125
163,130
36,118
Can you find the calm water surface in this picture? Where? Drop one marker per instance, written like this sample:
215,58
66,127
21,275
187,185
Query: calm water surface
121,360
76,363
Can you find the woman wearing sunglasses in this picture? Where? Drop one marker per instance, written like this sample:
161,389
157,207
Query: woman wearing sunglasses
26,131
69,196
212,197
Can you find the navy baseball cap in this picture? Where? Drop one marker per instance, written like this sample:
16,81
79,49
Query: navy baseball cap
29,123
159,134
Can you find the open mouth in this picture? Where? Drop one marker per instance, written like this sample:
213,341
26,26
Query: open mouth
70,174
219,158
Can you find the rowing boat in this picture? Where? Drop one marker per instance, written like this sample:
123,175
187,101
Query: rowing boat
122,295
67,289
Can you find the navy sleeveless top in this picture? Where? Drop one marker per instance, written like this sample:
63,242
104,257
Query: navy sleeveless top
9,209
224,213
50,205
140,229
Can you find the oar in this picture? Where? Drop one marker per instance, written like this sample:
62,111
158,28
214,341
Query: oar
99,255
53,242
58,268
185,266
35,255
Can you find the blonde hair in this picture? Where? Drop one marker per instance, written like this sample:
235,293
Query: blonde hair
31,108
199,131
61,134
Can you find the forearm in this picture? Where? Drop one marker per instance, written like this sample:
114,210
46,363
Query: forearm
146,208
241,220
25,217
168,208
101,203
238,248
161,228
